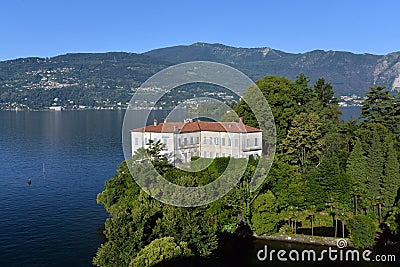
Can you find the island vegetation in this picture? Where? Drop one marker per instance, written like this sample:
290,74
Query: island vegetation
329,178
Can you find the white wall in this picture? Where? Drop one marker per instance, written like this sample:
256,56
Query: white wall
141,139
237,145
187,146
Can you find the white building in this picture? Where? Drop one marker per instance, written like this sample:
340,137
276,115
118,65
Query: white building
184,140
56,108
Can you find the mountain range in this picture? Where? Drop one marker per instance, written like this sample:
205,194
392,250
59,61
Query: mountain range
107,78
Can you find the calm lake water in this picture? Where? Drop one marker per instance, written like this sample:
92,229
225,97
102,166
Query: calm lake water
350,113
68,156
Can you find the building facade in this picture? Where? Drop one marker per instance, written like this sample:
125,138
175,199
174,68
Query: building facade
183,140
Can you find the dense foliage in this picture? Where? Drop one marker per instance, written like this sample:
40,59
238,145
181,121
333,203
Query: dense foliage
327,174
362,231
160,250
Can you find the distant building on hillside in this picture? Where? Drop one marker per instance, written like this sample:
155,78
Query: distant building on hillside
56,108
184,140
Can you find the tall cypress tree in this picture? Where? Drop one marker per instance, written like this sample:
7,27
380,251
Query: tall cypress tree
376,161
393,118
357,171
391,179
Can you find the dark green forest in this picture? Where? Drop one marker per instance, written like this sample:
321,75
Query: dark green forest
329,178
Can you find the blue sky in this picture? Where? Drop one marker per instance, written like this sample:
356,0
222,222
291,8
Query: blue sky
47,28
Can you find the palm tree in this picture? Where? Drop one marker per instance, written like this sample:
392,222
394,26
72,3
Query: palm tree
311,216
336,220
342,216
379,200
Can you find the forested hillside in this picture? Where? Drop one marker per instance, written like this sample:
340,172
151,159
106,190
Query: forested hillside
109,79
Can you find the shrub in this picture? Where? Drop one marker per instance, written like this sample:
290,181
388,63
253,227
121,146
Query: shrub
362,231
286,230
161,250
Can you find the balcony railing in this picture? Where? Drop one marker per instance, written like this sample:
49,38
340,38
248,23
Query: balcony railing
252,148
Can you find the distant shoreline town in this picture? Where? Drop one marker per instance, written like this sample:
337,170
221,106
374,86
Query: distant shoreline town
108,80
344,101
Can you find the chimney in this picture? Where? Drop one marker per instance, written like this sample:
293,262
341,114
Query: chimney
155,123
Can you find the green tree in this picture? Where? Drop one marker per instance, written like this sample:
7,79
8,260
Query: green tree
357,171
327,106
391,178
393,220
160,250
303,143
362,230
375,107
192,225
375,165
127,231
265,217
282,96
137,219
154,149
393,115
324,93
287,185
367,130
305,93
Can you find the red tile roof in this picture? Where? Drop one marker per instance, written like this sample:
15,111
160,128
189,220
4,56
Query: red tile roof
170,127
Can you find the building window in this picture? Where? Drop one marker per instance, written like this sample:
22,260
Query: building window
205,154
210,140
223,155
185,141
211,154
179,141
191,140
216,140
229,142
136,141
145,141
205,140
237,156
165,141
216,155
223,141
236,142
248,142
197,140
155,140
256,141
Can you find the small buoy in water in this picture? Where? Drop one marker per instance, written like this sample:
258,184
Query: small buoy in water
29,181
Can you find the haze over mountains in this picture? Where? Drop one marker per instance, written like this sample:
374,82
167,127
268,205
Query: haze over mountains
93,78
